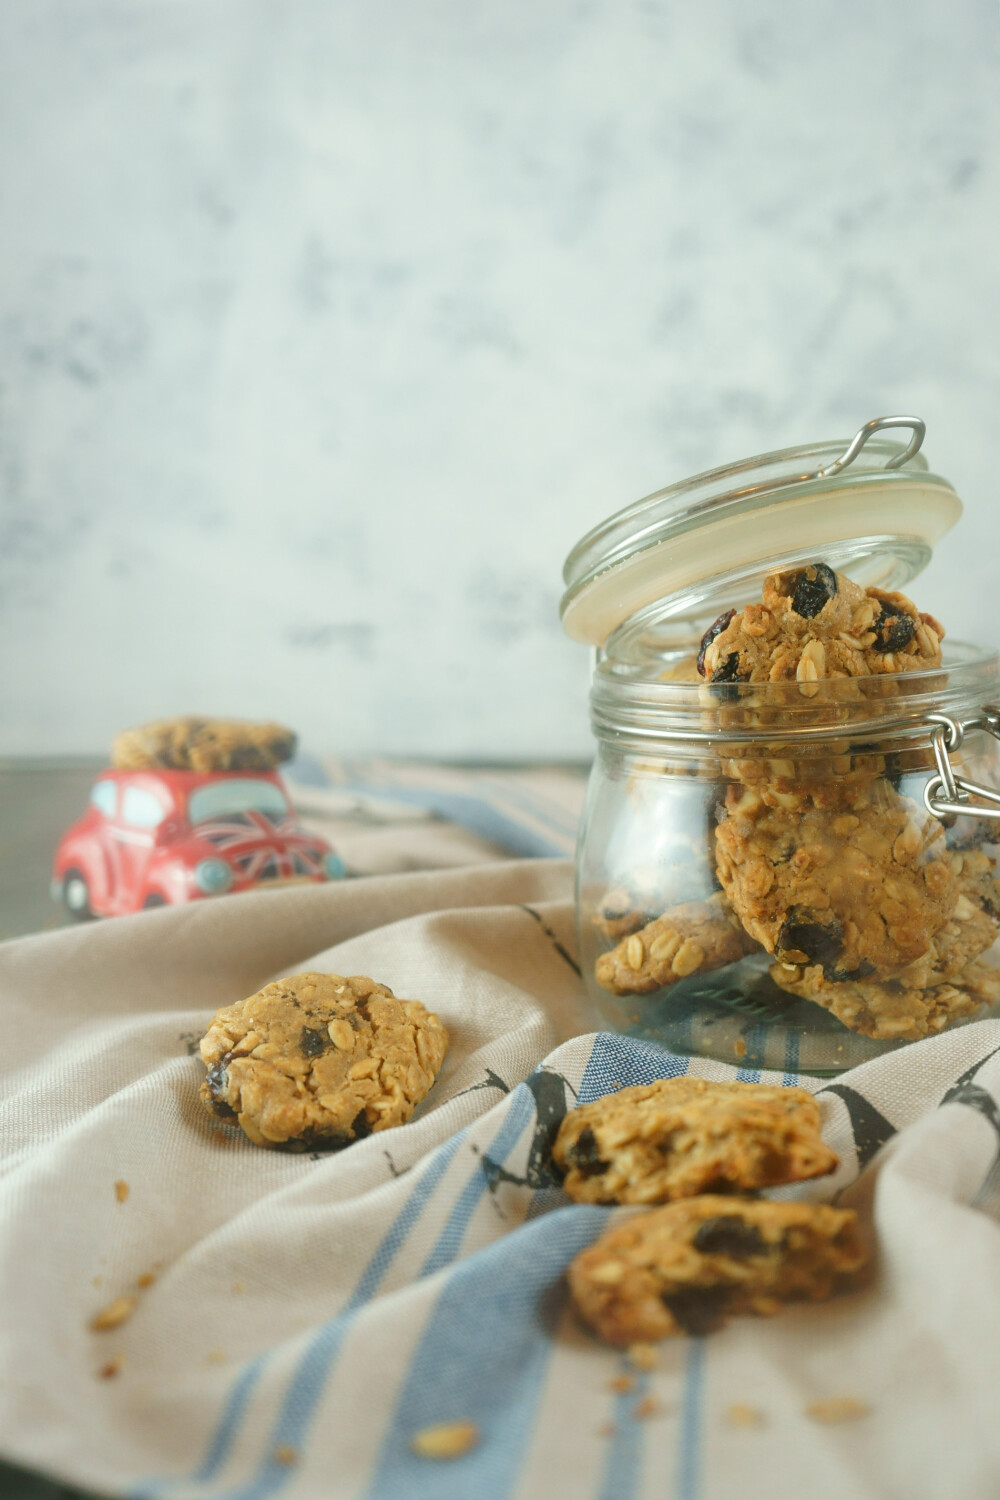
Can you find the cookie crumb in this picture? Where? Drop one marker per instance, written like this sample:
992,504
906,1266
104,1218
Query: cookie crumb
285,1455
112,1368
622,1383
740,1047
647,1407
239,1287
642,1356
216,1356
607,1430
116,1313
146,1279
741,1415
121,1190
97,1281
837,1409
446,1440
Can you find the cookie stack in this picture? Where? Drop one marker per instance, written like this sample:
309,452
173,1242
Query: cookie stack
868,905
700,1149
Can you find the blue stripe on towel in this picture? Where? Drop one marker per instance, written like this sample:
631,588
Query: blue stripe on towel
617,1062
689,1454
325,1343
623,1469
291,1426
474,813
791,1057
521,1108
482,1358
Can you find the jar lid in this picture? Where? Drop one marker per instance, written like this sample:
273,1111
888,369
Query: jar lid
647,581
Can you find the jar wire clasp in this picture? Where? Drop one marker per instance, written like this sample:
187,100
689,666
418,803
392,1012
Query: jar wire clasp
946,795
916,425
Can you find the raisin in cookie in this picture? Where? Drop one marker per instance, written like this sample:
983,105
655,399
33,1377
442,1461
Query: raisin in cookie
316,1061
195,744
859,892
813,623
682,1136
684,1268
698,936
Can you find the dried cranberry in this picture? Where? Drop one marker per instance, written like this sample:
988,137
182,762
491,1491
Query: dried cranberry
814,586
716,628
821,942
698,1309
585,1156
892,631
729,1235
729,670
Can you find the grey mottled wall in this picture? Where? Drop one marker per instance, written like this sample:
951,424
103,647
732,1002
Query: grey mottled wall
327,327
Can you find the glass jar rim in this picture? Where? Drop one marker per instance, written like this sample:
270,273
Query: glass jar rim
628,705
669,563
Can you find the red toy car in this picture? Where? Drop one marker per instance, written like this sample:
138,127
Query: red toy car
157,838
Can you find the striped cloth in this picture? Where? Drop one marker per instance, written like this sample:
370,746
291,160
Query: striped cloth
309,1315
527,812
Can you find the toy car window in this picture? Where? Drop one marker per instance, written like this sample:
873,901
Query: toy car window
220,799
103,795
141,809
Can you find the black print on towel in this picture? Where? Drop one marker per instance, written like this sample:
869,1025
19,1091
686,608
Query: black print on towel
966,1091
557,945
870,1129
549,1090
491,1081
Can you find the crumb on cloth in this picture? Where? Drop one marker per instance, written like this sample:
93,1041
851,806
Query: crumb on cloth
116,1313
837,1409
647,1407
739,1414
445,1440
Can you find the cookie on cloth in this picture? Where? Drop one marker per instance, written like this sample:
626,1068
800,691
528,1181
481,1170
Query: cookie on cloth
202,744
316,1061
686,1267
681,1136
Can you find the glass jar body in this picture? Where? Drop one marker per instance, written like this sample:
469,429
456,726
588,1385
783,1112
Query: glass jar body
786,903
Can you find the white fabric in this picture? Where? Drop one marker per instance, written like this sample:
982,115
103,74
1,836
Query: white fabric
310,1313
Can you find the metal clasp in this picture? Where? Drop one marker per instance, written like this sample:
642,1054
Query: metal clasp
946,740
860,438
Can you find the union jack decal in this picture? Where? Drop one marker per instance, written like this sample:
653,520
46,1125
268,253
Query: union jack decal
260,849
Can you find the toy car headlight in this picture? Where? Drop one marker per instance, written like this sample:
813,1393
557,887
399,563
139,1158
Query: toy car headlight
212,876
333,867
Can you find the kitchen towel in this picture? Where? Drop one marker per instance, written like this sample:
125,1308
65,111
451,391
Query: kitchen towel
300,1318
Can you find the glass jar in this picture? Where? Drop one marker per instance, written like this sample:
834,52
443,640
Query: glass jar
792,875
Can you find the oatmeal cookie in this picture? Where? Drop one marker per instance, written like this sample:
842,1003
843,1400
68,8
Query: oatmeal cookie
196,744
813,623
695,937
859,892
682,1136
892,1010
686,1267
316,1061
943,985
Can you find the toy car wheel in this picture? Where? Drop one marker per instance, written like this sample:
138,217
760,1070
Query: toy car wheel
76,896
153,899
